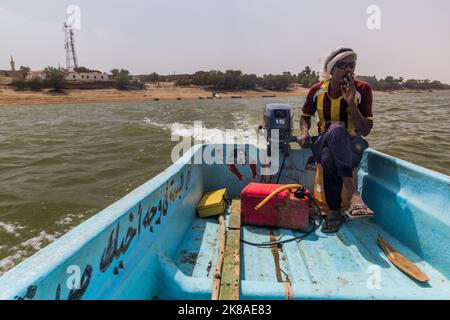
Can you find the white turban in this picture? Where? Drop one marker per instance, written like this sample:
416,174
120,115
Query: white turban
336,55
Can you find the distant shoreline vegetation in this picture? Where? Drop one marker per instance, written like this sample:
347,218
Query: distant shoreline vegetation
230,80
236,80
55,79
390,84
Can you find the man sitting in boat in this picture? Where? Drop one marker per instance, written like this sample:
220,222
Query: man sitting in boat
344,107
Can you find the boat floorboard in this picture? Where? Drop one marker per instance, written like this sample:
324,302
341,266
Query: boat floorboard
349,259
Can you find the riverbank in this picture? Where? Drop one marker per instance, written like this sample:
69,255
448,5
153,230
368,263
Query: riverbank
164,91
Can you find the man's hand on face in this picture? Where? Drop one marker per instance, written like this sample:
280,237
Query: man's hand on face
348,88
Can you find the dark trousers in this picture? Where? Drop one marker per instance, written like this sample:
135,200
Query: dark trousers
338,153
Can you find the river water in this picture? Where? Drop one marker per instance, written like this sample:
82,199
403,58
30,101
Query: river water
61,164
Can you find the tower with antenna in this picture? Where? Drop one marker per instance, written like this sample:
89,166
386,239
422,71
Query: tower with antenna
69,45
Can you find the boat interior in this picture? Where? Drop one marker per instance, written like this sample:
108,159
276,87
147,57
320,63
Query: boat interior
152,244
348,264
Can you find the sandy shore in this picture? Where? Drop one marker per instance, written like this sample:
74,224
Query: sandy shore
165,91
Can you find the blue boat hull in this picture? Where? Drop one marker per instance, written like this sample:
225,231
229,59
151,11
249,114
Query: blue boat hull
152,245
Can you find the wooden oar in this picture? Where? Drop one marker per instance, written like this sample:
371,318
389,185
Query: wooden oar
401,262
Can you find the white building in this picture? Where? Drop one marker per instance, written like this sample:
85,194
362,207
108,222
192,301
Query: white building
86,76
36,74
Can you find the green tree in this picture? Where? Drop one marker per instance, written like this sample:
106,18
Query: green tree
216,79
197,78
411,84
122,79
307,78
35,84
55,78
389,83
232,79
248,81
19,84
115,72
276,82
84,70
371,80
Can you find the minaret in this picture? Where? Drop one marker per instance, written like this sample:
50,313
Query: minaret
13,64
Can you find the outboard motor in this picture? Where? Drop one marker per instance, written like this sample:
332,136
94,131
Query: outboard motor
278,116
272,204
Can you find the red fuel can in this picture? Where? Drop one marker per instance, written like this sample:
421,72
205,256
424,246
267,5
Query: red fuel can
284,210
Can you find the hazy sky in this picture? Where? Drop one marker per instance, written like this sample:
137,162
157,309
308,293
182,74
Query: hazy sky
255,36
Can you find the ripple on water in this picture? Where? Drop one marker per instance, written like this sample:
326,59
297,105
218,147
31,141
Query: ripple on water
59,165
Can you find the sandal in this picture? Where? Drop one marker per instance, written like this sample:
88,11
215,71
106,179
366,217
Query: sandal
339,220
359,210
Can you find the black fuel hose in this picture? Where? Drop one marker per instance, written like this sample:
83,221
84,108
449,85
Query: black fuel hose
316,224
281,169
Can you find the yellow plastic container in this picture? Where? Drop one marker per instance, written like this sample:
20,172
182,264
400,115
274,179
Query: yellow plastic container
212,203
319,194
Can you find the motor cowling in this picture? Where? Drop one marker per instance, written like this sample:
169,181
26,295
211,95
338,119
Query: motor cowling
279,116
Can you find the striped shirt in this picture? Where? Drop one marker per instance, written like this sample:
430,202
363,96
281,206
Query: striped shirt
331,111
